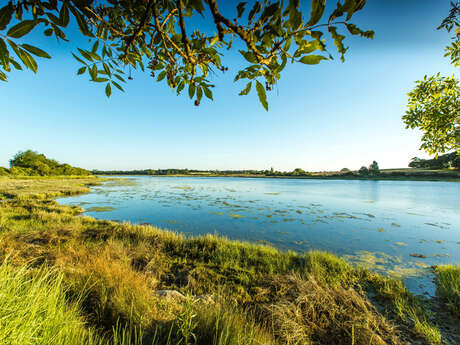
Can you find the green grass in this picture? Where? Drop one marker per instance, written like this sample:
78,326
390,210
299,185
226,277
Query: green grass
239,292
34,311
448,287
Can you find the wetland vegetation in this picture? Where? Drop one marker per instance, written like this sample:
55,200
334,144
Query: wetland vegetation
102,277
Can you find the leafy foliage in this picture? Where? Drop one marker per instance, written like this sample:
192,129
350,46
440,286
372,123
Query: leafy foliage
451,21
433,108
161,36
364,171
374,168
434,103
33,163
448,160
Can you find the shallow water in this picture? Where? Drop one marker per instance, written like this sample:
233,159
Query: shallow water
378,224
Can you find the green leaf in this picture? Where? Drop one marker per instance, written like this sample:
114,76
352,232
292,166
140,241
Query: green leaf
312,59
246,89
108,90
317,10
81,22
85,54
207,92
36,51
199,93
100,80
6,13
4,55
118,86
119,77
16,65
240,8
78,59
191,90
26,59
180,87
107,69
95,47
249,56
93,72
161,76
269,11
64,15
262,95
255,9
22,28
81,70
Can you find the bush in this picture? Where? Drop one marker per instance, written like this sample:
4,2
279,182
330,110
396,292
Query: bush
31,163
374,168
363,171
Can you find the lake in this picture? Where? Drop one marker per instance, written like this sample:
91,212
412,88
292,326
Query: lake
383,225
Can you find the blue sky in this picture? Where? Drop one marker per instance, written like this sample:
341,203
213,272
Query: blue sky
323,117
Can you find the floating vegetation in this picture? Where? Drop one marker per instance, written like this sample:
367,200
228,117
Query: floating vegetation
435,225
234,215
396,225
343,215
299,243
401,244
381,230
183,187
441,255
281,232
217,213
272,193
100,209
417,255
369,215
439,241
172,221
299,211
120,182
268,215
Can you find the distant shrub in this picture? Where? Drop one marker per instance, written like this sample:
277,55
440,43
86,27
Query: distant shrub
374,168
31,163
344,170
364,171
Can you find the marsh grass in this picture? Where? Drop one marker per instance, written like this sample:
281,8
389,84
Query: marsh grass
257,294
33,310
448,287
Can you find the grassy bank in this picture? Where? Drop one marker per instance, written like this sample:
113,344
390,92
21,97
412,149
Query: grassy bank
112,277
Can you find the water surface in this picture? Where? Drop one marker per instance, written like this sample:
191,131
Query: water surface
379,224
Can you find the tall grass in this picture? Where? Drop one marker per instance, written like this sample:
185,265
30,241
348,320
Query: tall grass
448,287
33,310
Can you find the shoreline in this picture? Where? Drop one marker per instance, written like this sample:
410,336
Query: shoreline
376,178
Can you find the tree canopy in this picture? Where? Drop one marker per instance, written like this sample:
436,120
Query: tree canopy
32,163
434,103
161,37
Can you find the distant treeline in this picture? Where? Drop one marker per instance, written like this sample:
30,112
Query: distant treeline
31,163
271,172
449,160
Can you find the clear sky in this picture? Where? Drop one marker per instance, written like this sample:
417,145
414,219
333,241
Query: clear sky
323,117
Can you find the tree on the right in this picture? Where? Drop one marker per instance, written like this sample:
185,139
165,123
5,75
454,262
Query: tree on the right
434,103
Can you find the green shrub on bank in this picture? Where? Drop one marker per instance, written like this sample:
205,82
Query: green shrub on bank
31,163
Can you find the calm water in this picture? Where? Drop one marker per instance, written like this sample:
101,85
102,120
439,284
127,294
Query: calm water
375,223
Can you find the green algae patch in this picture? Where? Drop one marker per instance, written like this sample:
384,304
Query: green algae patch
234,215
100,209
183,187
